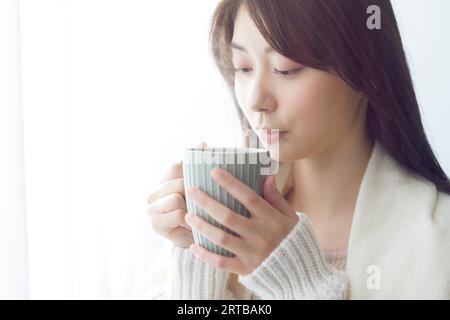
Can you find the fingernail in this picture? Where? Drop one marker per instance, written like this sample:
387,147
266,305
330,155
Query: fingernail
191,192
273,184
217,174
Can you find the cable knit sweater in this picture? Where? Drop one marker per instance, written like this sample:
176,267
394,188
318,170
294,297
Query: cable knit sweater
296,269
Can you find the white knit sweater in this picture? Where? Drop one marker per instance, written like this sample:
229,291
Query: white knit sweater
296,269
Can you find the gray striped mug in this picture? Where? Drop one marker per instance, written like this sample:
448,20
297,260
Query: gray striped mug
249,165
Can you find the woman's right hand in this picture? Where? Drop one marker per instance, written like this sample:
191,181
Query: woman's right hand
167,207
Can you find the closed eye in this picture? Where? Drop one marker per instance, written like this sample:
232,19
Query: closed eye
243,70
282,72
287,72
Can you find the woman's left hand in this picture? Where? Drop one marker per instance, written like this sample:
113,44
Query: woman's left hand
272,218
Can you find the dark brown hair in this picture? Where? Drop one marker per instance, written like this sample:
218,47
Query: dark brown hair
332,35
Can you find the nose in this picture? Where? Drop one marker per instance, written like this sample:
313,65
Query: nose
260,96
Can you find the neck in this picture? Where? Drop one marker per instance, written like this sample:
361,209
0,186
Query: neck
326,186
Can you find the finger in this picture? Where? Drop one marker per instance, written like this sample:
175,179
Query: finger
273,196
201,145
165,223
255,204
166,188
181,237
231,264
167,203
219,212
215,234
175,171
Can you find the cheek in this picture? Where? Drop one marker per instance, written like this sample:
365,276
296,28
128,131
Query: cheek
241,91
319,106
306,106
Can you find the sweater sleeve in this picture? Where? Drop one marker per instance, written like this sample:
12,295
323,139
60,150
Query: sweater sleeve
297,270
192,279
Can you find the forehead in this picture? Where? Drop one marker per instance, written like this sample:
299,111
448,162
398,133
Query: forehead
246,32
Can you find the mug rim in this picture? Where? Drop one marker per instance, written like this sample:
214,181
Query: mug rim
227,150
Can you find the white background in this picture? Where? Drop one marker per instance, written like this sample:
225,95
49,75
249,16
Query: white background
113,91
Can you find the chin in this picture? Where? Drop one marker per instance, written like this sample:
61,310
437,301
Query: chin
279,153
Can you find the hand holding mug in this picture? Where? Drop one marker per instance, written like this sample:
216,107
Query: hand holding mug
272,219
167,207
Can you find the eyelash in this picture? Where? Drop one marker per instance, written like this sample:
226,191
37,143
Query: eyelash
282,72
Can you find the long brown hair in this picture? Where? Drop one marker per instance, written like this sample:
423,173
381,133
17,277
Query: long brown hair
333,35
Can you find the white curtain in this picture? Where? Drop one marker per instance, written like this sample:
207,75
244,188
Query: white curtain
97,99
13,227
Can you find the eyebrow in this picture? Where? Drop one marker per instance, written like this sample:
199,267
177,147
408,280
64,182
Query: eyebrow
241,48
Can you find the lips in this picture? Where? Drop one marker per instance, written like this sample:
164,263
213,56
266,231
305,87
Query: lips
270,128
271,135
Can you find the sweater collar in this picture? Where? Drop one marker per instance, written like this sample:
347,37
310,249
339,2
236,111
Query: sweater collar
387,194
385,188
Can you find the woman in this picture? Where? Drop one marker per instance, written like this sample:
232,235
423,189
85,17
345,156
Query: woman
364,206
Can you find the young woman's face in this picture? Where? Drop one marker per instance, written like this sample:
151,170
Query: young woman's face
315,108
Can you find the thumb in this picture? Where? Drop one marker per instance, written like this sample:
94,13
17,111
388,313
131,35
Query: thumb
198,145
276,199
201,145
